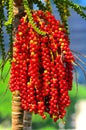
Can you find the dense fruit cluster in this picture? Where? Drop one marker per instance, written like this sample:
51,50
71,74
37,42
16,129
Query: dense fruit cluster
42,66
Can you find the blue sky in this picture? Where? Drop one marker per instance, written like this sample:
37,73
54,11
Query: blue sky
80,2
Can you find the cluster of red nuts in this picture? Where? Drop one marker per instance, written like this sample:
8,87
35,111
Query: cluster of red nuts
42,66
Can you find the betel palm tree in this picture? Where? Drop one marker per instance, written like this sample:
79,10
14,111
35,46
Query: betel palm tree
21,120
16,9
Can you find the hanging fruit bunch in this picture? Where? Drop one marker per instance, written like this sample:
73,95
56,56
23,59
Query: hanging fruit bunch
42,67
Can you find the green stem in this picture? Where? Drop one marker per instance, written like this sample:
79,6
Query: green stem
10,13
27,8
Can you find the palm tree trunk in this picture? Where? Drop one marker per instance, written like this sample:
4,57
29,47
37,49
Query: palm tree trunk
17,112
21,120
27,121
